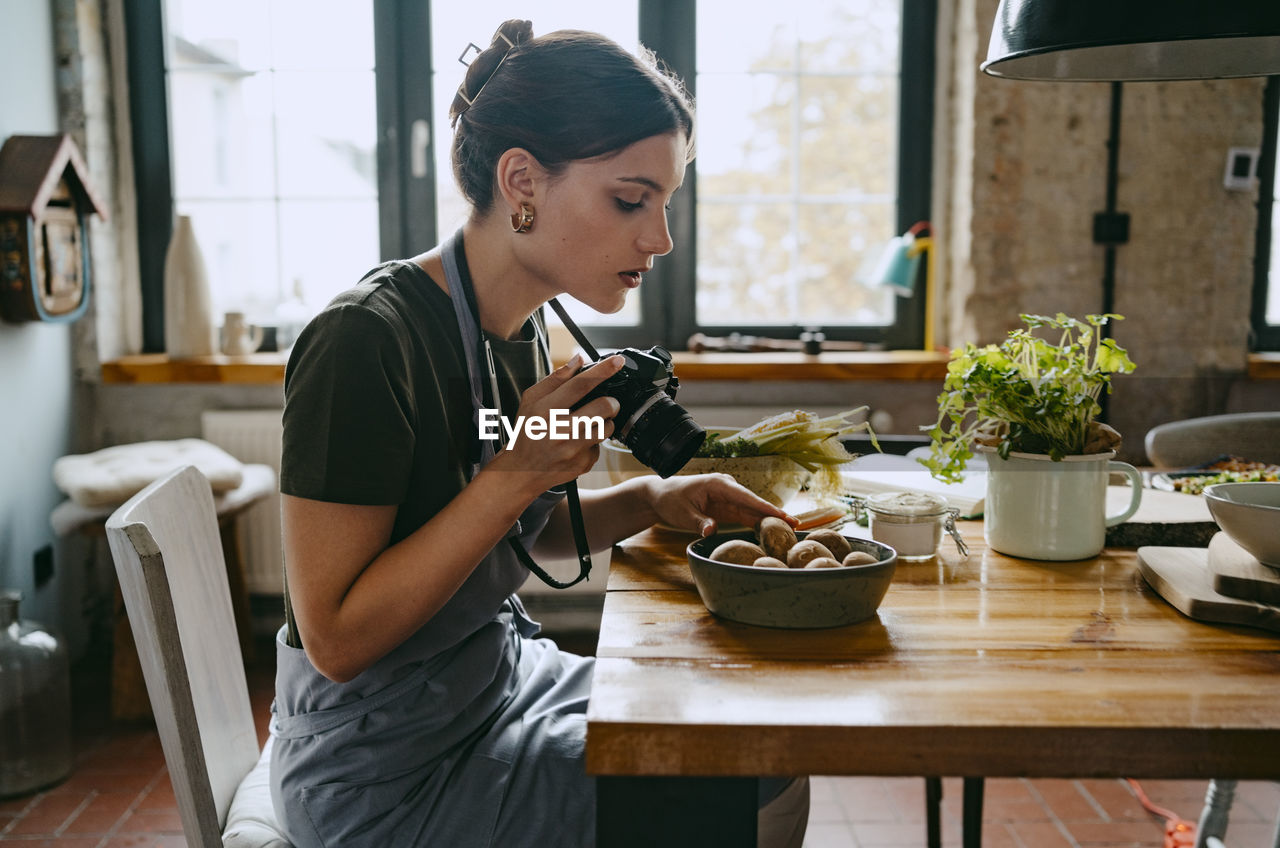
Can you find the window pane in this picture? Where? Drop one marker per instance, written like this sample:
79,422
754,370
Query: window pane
453,25
839,243
1273,277
810,120
326,246
241,250
848,137
323,151
734,38
272,105
848,35
731,161
745,263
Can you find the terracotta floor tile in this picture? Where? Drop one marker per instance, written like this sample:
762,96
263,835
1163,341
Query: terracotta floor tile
829,836
1040,835
159,797
1067,801
1122,833
13,806
1006,789
998,835
144,840
825,812
151,821
59,842
1115,797
908,806
888,835
1250,833
101,814
115,781
49,813
1262,796
1007,811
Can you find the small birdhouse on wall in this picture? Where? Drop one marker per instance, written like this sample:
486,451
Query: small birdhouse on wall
45,203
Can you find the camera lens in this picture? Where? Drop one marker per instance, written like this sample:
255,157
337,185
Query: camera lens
664,436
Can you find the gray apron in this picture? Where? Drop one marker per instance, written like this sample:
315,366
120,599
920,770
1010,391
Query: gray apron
470,733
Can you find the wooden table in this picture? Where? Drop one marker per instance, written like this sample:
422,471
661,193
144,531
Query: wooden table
979,667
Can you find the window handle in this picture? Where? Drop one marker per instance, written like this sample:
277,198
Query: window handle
419,144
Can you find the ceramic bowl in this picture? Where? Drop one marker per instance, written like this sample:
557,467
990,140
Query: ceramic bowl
1250,514
796,599
777,479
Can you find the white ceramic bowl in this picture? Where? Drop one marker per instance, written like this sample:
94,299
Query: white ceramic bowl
1250,514
777,479
792,598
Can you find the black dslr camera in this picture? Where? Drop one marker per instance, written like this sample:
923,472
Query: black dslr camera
659,432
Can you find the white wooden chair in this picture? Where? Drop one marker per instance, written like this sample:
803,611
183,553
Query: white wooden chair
168,555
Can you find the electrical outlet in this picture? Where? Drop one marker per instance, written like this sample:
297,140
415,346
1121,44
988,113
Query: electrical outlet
43,562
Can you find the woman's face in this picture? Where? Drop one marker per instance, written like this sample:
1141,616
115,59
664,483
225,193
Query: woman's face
601,222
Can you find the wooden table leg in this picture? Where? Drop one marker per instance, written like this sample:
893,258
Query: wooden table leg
642,812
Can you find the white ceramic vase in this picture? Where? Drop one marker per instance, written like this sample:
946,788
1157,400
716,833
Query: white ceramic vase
1037,508
189,328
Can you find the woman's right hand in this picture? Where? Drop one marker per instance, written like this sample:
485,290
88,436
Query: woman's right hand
547,462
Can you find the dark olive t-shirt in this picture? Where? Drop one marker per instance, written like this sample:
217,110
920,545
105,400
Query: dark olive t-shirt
377,402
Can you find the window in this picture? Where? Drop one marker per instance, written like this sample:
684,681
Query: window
1266,290
303,165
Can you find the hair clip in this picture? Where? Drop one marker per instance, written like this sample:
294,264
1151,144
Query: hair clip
462,58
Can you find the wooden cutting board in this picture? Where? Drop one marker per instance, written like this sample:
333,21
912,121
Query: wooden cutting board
1237,573
1182,577
1163,518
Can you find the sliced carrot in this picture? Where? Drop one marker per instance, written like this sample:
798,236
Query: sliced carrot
817,517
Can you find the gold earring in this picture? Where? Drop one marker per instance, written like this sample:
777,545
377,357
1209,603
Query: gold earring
522,221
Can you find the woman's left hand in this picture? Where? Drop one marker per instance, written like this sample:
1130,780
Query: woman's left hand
700,502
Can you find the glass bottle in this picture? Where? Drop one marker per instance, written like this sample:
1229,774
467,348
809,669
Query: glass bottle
35,703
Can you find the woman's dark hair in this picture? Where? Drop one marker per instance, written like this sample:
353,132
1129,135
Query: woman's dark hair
564,96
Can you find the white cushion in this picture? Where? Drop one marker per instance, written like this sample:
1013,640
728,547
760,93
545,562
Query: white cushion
113,475
251,819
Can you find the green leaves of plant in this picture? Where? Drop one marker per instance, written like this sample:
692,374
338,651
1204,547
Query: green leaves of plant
1039,395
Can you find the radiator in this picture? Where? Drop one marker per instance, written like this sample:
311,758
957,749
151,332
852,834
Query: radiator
253,435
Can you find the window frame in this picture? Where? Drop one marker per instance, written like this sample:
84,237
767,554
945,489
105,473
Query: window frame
1266,336
407,203
667,303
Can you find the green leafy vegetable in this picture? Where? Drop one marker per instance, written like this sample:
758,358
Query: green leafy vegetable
1027,394
810,441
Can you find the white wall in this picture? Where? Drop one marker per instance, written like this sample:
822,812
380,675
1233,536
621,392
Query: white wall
35,359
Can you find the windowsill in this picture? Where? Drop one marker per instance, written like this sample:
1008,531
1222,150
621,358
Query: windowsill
268,368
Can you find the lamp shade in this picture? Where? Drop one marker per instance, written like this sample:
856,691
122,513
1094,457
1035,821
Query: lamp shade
1100,40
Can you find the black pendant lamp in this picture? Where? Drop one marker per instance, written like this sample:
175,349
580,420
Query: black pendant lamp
1134,40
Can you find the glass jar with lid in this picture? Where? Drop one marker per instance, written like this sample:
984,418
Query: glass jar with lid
911,522
35,703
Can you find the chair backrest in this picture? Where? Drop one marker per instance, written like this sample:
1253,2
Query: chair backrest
1254,436
168,555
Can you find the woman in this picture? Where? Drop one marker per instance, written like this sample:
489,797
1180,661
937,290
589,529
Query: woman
413,705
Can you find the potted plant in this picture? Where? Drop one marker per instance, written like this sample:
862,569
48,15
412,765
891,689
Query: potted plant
1030,404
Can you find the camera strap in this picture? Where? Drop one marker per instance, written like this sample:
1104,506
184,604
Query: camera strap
476,349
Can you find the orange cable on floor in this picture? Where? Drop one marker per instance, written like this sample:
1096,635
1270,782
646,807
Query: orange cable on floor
1178,832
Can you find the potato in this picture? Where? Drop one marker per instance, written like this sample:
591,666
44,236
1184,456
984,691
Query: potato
822,562
738,552
859,558
803,551
776,536
769,562
832,541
